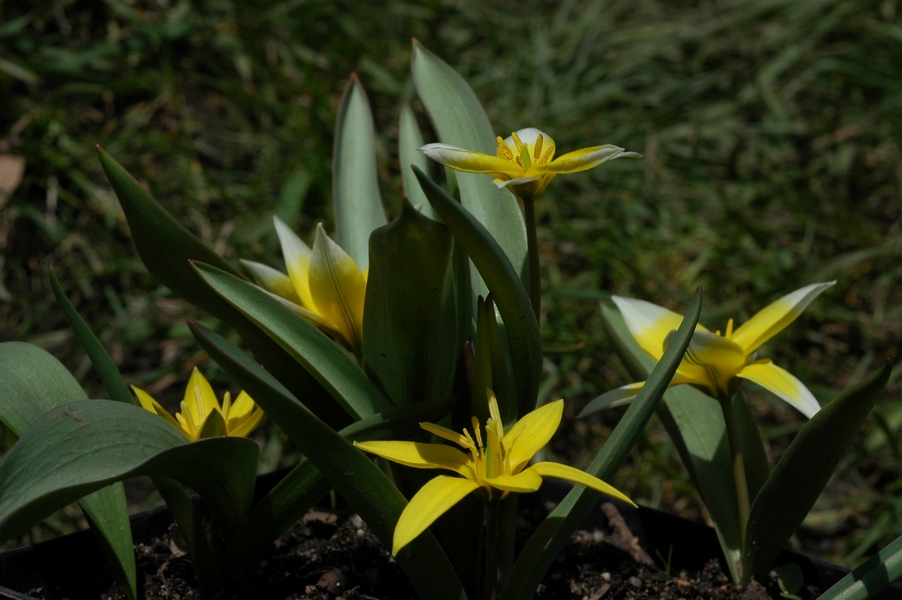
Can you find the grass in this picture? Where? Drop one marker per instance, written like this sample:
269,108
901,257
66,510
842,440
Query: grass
771,134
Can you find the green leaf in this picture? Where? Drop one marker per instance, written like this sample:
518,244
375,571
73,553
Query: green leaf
803,472
358,206
410,345
459,120
869,578
174,494
83,446
316,353
695,423
510,297
409,139
32,382
102,362
546,543
166,247
353,475
297,492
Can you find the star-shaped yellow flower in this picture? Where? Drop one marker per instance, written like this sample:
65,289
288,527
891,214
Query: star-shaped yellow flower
525,162
201,414
716,363
494,467
324,285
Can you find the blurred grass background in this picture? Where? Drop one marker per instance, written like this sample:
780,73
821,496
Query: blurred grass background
771,133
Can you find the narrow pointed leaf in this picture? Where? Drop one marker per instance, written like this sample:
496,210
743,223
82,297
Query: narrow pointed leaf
358,206
507,290
409,325
89,444
459,120
316,353
871,577
695,423
409,139
166,247
546,543
102,362
349,471
301,488
32,382
174,494
804,470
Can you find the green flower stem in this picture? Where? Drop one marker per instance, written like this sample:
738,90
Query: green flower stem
532,250
739,478
492,510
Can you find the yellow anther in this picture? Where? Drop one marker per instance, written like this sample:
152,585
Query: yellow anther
729,329
537,151
475,423
520,162
503,150
547,156
517,142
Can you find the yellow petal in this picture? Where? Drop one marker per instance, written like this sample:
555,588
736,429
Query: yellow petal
338,288
243,416
420,455
432,501
199,399
783,384
649,323
522,483
148,403
532,433
297,261
776,316
559,471
582,160
242,426
272,280
242,406
469,161
712,361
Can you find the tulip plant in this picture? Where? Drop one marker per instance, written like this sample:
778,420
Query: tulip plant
415,340
715,431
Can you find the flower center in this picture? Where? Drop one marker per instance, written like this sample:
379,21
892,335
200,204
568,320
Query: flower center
526,154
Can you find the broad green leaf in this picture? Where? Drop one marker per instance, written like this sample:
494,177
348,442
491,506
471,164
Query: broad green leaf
803,472
460,120
32,382
754,455
166,247
297,492
174,494
409,324
525,343
695,423
355,184
353,475
320,356
83,446
546,543
871,577
409,140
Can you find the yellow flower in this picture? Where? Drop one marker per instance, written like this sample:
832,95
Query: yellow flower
713,362
323,285
525,161
201,414
494,467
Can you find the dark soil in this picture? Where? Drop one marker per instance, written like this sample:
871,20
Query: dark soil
331,555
